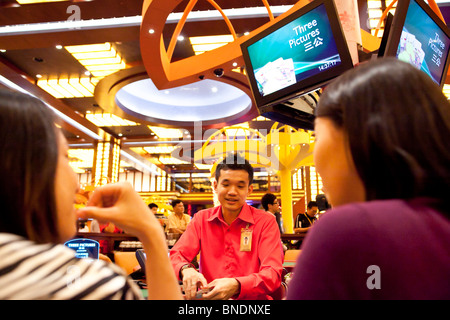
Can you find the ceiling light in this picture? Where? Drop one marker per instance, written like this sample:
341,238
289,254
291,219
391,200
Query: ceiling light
68,88
99,59
147,167
108,120
63,116
202,166
446,90
166,133
159,150
208,43
239,130
59,47
171,160
37,1
82,159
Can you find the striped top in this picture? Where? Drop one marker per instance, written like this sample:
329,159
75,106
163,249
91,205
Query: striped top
30,271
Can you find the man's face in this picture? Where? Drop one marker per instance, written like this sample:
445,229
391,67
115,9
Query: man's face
232,190
312,212
154,210
179,208
274,207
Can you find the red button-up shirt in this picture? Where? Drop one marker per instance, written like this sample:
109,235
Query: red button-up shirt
258,271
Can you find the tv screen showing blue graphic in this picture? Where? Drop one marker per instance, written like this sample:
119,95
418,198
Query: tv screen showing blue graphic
84,248
423,43
298,50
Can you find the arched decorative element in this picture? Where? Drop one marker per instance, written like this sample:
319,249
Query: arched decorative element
166,74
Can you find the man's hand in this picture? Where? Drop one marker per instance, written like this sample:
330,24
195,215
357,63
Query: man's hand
222,289
192,280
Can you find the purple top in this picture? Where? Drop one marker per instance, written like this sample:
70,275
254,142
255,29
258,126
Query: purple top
390,249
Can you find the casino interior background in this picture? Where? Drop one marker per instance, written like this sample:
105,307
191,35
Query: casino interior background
43,54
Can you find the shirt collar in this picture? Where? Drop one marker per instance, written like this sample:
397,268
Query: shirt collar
245,215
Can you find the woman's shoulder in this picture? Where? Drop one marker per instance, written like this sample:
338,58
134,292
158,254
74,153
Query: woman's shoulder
368,207
51,271
382,210
363,220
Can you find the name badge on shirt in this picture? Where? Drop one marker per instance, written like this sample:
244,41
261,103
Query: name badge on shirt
246,239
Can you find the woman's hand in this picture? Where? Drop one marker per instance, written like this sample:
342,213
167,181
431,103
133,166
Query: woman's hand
120,204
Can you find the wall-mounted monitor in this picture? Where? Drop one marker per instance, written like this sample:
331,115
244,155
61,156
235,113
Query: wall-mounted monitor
418,36
295,56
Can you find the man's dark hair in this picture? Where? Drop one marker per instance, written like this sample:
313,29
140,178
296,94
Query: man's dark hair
267,199
152,205
312,204
175,202
235,162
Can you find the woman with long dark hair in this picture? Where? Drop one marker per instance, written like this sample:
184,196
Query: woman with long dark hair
383,151
37,192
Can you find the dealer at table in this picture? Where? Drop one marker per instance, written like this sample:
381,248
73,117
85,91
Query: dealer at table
240,252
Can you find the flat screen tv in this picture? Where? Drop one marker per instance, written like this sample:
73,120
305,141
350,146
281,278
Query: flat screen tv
418,36
294,57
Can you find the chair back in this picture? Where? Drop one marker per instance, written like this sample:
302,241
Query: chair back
126,260
291,255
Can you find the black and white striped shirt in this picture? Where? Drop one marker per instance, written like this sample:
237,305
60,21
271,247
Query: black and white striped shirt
30,271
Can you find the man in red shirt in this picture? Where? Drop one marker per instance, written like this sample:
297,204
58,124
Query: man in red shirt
241,257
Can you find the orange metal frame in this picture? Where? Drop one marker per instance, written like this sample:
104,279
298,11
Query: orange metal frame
167,74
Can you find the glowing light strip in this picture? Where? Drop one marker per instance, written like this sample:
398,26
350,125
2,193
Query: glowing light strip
65,118
134,21
140,163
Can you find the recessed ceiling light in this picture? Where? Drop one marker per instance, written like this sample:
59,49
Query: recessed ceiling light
180,38
151,31
58,46
99,59
39,76
2,50
35,1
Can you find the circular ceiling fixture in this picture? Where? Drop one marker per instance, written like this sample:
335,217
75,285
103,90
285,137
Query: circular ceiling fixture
206,101
132,95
